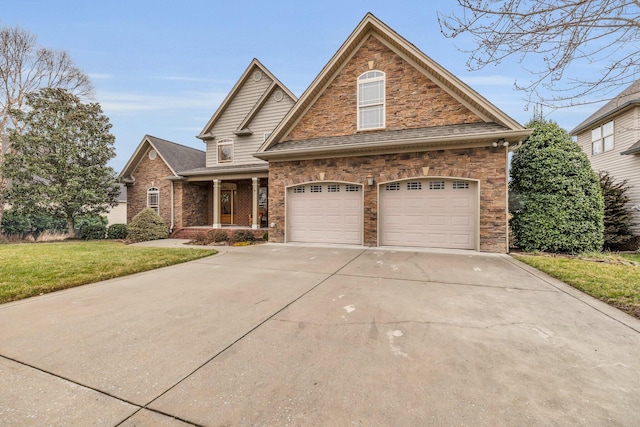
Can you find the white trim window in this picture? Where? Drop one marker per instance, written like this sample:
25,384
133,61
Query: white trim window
602,138
371,100
153,199
225,151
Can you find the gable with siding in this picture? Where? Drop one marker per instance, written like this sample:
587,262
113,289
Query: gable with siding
252,109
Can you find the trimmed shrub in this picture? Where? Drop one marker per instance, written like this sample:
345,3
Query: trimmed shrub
147,225
618,218
242,236
117,231
93,232
217,236
265,236
561,207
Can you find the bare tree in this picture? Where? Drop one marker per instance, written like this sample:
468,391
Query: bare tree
26,67
559,39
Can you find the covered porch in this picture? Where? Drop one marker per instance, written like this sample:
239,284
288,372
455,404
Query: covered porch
221,199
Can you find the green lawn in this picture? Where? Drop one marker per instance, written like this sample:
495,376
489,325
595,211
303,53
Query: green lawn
30,269
603,277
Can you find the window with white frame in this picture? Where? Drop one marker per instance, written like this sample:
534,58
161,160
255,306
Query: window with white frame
225,151
371,102
153,199
602,138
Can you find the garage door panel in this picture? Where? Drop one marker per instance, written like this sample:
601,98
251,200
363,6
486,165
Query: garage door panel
329,214
429,213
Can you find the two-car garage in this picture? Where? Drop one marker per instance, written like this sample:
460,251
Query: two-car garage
422,212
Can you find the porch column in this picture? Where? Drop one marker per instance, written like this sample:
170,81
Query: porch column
254,204
216,204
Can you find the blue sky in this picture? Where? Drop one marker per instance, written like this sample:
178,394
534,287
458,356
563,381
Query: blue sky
162,68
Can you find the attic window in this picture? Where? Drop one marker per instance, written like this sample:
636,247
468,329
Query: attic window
278,96
225,151
152,155
371,100
257,75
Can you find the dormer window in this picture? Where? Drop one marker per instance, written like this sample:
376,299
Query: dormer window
225,151
371,102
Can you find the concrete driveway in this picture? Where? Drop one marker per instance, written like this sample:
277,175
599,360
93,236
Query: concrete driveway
299,335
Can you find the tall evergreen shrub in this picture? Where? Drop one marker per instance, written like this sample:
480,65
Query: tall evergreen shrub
561,202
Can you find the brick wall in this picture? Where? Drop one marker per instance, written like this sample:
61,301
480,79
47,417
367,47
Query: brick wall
149,173
412,100
488,165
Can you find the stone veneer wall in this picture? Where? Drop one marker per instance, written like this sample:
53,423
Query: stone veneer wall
149,173
488,165
195,205
412,100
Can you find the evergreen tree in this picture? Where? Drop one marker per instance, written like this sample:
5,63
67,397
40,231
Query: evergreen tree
58,163
561,201
618,218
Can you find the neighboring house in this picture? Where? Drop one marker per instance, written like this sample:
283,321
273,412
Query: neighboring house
611,139
118,213
225,185
387,148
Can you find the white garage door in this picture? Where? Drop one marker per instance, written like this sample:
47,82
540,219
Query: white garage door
432,213
325,213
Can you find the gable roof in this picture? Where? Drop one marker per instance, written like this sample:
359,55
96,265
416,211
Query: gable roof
436,73
625,99
177,157
253,66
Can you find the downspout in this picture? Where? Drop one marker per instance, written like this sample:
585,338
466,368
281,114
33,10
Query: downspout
172,210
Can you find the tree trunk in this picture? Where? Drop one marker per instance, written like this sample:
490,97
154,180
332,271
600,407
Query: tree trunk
71,227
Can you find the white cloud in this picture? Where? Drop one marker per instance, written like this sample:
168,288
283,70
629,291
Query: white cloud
128,102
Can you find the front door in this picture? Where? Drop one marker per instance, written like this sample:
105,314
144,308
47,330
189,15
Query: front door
227,206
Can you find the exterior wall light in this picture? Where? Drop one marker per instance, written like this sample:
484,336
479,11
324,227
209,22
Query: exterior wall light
370,179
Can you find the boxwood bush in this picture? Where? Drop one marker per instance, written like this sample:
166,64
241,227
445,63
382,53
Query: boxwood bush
147,225
117,231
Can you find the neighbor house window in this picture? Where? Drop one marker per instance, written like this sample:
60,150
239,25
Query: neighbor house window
602,138
153,199
371,100
225,151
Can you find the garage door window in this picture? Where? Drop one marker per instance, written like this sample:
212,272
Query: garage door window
315,188
414,186
394,186
436,185
460,185
333,188
298,190
350,188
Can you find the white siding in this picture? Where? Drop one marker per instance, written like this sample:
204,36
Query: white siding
626,133
237,110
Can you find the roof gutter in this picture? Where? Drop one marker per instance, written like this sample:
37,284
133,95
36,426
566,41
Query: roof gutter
419,144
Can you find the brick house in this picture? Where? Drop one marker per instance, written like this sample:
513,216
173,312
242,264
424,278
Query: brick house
152,178
223,185
387,148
